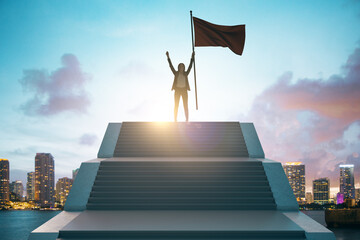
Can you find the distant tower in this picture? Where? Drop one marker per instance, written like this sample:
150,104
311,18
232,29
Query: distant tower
63,187
347,181
339,198
309,197
44,179
295,172
74,173
321,190
30,186
4,181
17,188
357,194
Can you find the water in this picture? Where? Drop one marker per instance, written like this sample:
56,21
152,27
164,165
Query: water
340,233
17,225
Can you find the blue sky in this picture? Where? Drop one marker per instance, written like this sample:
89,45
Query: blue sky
117,49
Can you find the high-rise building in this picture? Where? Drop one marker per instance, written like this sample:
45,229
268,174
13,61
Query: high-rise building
4,181
30,186
339,198
309,197
295,172
347,181
74,173
357,194
44,179
17,188
62,189
321,190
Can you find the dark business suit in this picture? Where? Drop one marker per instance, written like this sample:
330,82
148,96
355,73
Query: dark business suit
181,91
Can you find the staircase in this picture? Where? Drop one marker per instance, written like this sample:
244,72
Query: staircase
185,185
180,181
198,139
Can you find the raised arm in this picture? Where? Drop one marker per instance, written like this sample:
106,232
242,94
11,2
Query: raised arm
170,64
191,63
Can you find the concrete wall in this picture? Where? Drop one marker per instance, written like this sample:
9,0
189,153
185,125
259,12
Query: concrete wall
252,141
280,187
109,141
81,188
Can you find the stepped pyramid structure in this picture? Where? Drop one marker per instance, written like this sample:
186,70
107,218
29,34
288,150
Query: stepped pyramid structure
199,180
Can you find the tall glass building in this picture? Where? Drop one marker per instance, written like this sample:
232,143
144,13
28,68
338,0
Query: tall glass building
347,181
63,187
17,188
321,190
4,181
30,186
44,180
295,172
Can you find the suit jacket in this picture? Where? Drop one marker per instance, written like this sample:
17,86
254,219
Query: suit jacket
176,75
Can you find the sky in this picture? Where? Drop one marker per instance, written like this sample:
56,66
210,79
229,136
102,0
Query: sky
68,68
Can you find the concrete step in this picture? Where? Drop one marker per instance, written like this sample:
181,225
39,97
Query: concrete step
295,235
182,185
177,173
189,164
225,194
180,200
183,177
138,139
180,206
144,188
182,182
237,238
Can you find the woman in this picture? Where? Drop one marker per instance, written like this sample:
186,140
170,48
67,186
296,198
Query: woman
181,85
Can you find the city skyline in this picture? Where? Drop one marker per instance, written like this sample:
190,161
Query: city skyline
41,190
298,85
295,172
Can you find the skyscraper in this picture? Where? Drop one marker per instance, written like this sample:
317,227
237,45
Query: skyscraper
17,188
339,198
295,172
30,186
44,179
347,181
357,194
4,181
62,189
321,190
309,197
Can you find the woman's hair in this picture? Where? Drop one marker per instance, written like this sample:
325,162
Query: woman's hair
181,65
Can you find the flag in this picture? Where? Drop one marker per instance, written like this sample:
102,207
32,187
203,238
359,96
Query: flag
208,34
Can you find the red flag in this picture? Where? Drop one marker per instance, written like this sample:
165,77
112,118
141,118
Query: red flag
208,34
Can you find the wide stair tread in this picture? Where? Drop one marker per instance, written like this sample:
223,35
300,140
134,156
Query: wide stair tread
182,235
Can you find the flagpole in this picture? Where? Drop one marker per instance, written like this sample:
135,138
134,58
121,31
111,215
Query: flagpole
193,48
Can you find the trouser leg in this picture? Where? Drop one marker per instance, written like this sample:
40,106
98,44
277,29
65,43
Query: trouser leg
185,103
176,107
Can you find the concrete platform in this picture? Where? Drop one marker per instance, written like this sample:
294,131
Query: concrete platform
202,180
181,221
159,224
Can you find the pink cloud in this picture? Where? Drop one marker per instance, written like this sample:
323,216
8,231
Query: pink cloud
335,100
306,120
61,90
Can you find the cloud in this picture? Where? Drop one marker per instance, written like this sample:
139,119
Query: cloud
334,101
22,151
60,91
88,139
307,120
